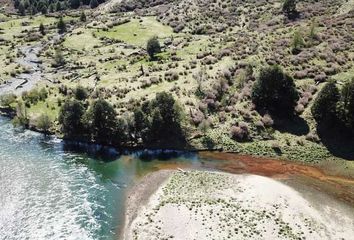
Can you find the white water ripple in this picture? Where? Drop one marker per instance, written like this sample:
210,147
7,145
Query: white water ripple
42,195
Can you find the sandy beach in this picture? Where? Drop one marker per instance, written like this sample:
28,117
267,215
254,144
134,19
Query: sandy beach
215,205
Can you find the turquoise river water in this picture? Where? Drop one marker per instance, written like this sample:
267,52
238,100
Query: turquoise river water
51,190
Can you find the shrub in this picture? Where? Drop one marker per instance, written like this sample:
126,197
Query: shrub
161,120
346,106
61,26
43,123
7,100
275,92
153,47
80,93
267,120
297,43
101,120
289,8
71,118
324,107
238,133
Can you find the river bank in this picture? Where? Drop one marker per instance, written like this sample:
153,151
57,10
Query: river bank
207,204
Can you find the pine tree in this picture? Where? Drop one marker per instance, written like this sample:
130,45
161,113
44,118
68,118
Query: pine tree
93,4
325,104
61,26
42,29
83,17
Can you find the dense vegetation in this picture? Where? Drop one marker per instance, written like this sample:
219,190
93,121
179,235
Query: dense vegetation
335,108
50,6
156,123
251,81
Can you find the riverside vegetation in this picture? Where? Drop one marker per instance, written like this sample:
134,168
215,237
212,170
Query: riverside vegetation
272,78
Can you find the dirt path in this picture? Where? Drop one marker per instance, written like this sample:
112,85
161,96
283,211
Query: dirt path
25,81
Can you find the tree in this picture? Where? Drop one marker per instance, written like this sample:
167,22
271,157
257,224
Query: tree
158,122
325,104
298,42
83,17
153,47
71,118
6,100
289,7
101,118
61,26
80,93
44,123
58,58
346,107
58,6
140,124
275,92
93,4
21,8
42,29
74,3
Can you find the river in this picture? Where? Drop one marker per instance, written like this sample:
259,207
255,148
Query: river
52,190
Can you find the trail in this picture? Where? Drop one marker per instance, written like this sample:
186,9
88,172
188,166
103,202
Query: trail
25,81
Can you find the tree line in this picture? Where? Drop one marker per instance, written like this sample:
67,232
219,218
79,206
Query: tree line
157,123
33,7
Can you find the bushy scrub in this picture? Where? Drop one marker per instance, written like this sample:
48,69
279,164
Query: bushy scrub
158,122
275,92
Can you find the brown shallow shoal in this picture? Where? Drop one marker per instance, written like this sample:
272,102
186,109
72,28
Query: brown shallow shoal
338,186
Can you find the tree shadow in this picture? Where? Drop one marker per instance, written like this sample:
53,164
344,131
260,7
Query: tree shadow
95,151
162,154
294,125
338,141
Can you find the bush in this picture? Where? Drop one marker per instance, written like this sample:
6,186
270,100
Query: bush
43,123
324,106
7,100
71,118
238,133
153,47
275,92
346,106
289,8
102,122
61,26
160,121
80,93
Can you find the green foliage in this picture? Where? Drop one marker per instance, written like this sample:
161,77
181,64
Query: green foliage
42,29
44,123
298,42
43,6
275,92
61,26
93,3
34,96
21,118
74,3
70,118
289,7
80,93
83,17
346,106
7,100
58,58
325,104
158,122
102,122
153,47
